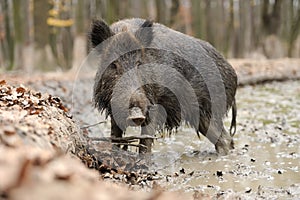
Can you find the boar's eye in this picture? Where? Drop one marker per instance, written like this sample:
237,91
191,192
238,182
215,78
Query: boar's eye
116,67
113,66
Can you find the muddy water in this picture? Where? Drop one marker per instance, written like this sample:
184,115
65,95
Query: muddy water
267,145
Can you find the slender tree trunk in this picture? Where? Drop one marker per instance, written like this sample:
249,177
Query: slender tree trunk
112,11
8,43
198,20
209,20
174,11
18,15
294,32
241,29
2,38
160,7
230,32
80,17
186,16
136,8
253,23
61,33
271,20
123,5
43,58
246,26
151,5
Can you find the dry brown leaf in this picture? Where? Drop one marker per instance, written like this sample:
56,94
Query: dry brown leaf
9,130
20,90
63,108
2,82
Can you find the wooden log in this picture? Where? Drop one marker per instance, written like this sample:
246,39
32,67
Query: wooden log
252,71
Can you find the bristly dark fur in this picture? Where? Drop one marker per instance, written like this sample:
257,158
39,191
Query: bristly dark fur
100,31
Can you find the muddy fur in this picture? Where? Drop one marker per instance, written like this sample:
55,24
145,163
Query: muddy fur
167,74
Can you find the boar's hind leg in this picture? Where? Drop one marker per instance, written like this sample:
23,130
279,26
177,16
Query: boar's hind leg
217,135
224,143
116,132
147,142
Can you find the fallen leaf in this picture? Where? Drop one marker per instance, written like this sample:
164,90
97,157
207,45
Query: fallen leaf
2,82
21,90
9,130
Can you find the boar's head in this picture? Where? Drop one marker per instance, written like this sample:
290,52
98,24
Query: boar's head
118,88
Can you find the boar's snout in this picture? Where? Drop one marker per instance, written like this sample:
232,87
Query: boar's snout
136,117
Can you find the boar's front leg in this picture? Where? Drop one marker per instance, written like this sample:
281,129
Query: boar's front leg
116,132
146,130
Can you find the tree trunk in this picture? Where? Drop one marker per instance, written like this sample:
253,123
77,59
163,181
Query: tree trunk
43,57
8,45
18,15
160,11
174,11
209,21
271,20
230,32
294,32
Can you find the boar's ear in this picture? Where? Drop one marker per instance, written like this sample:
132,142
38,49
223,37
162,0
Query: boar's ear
145,33
100,31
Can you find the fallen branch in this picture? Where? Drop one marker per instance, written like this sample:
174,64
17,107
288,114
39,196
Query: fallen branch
134,145
91,125
123,140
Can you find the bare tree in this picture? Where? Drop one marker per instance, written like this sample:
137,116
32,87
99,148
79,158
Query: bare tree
271,20
294,32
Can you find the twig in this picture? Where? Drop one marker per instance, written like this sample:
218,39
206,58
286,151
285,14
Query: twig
91,125
124,139
134,145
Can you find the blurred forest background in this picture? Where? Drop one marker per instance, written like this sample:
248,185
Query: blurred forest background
49,35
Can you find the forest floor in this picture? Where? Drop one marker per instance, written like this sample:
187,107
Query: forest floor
263,165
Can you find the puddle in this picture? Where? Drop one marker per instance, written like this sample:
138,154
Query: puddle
251,164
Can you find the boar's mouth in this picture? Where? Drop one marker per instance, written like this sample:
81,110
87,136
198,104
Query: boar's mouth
136,117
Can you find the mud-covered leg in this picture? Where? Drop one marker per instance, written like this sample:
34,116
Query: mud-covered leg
217,135
225,143
116,132
147,142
